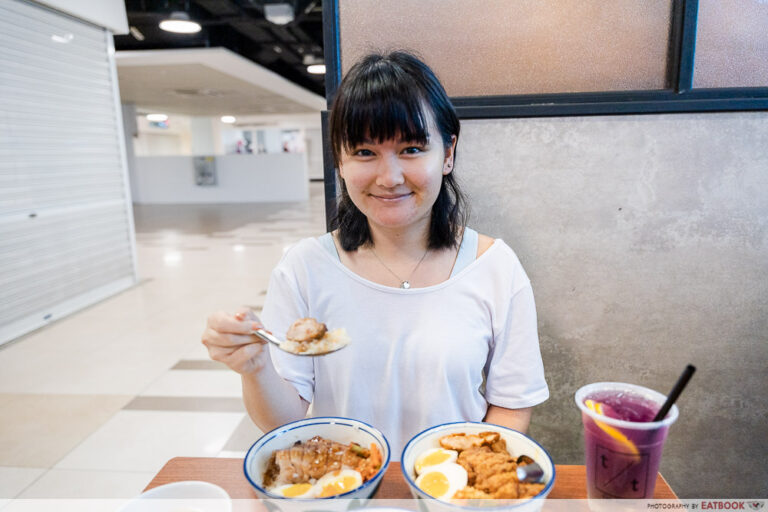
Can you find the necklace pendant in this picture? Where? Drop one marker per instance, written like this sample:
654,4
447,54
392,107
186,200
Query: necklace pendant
405,285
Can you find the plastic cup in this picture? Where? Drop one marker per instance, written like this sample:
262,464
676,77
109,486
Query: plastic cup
622,457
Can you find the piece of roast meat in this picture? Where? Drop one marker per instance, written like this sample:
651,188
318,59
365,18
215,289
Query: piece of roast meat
310,460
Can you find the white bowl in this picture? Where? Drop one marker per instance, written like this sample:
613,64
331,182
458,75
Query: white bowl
341,430
188,495
517,444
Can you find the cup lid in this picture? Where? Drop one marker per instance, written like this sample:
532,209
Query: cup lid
642,391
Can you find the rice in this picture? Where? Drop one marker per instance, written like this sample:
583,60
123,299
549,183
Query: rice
332,340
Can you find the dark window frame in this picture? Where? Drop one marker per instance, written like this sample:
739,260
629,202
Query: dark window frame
679,95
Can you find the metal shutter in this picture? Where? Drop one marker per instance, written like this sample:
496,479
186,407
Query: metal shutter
66,226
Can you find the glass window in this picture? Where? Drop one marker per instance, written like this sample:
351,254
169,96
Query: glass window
731,44
504,47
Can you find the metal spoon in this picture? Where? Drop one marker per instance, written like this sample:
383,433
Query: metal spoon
530,473
267,336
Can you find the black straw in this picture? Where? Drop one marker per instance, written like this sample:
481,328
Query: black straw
679,387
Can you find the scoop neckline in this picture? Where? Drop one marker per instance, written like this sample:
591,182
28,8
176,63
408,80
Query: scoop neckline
497,242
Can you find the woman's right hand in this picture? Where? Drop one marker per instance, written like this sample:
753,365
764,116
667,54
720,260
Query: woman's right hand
229,340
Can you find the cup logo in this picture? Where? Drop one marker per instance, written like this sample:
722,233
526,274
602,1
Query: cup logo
620,475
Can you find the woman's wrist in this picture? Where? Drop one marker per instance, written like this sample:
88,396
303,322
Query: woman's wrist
256,360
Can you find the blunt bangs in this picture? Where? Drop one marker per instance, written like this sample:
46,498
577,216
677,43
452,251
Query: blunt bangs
380,118
380,102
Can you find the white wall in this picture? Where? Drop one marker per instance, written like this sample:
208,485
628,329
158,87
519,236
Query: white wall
241,179
202,136
314,144
174,140
130,132
104,13
309,124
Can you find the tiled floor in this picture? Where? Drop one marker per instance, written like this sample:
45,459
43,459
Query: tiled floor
95,404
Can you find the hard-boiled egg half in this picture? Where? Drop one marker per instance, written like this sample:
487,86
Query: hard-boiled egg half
338,482
434,457
443,480
295,491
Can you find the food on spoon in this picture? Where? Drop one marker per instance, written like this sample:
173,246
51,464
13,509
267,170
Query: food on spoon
306,329
319,468
491,471
308,336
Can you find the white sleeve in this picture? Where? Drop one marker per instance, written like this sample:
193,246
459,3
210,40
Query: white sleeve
515,372
284,305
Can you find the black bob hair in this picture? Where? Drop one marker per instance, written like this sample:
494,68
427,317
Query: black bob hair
380,98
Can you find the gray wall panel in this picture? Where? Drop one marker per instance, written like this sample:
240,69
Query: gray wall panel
646,240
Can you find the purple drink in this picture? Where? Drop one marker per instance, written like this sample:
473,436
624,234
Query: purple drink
622,444
625,406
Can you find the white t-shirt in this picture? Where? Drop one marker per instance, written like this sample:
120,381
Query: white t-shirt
417,357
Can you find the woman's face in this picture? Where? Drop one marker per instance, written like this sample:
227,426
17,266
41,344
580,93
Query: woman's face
396,182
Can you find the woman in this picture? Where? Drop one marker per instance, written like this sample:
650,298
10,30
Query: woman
442,319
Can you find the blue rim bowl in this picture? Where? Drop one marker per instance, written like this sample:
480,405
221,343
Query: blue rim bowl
342,430
516,442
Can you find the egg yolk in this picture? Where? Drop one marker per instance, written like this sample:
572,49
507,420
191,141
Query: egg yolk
435,458
338,486
296,490
435,484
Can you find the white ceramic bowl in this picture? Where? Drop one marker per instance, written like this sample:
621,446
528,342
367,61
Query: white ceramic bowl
341,430
517,444
187,495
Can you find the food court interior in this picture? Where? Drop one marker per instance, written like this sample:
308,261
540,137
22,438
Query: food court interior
149,181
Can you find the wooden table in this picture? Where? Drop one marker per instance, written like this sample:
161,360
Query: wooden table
570,481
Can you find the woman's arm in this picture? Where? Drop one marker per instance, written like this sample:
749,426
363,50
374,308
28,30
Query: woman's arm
517,419
269,400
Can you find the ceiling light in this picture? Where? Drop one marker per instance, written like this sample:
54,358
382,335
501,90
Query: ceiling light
228,119
316,69
158,118
136,33
180,23
279,14
310,59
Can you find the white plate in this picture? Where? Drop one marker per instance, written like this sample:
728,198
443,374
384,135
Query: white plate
188,496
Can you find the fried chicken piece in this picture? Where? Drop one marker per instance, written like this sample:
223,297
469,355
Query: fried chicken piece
306,329
487,470
491,470
502,486
470,493
526,490
471,475
499,446
462,441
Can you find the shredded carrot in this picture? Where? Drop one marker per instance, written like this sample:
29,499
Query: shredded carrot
372,464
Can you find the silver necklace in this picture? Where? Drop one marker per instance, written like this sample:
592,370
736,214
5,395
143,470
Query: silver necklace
404,283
